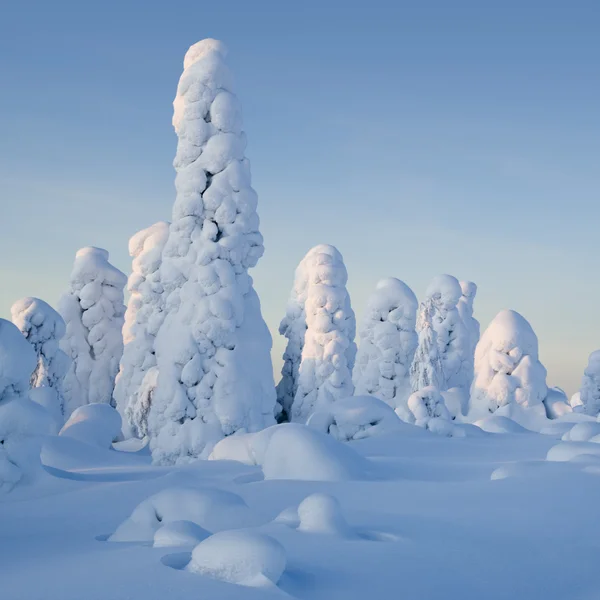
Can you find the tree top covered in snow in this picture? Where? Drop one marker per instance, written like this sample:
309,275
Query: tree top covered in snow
37,320
17,360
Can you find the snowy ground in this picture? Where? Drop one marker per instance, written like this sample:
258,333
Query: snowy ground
429,522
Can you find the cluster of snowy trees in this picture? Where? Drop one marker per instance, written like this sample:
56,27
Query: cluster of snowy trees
188,363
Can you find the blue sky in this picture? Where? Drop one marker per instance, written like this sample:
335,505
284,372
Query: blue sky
419,138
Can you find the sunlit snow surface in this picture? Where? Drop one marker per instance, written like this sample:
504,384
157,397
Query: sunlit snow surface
419,516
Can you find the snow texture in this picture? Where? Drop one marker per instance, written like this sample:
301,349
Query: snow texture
426,368
43,328
93,311
143,317
329,351
22,422
507,370
427,407
95,424
589,394
356,418
388,341
215,375
179,533
241,557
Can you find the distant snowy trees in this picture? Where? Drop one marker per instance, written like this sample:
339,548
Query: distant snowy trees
145,312
93,311
388,341
21,420
213,349
508,372
329,351
589,394
43,328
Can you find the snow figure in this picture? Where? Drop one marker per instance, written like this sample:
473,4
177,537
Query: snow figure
93,311
214,372
508,374
325,372
426,368
453,337
589,394
143,318
43,328
427,407
388,341
22,421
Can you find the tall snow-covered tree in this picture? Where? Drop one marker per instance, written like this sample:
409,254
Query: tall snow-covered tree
21,420
143,317
43,328
329,351
589,394
93,311
508,373
388,341
465,310
426,368
215,373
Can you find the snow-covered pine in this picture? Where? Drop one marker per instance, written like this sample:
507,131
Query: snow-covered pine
426,405
93,311
21,420
43,328
426,368
329,351
388,341
143,318
215,373
589,394
507,368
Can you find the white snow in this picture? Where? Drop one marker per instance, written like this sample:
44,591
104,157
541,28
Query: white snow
93,311
582,432
388,341
426,369
179,533
322,514
95,424
589,394
556,403
427,407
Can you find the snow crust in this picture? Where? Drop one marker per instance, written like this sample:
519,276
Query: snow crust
95,424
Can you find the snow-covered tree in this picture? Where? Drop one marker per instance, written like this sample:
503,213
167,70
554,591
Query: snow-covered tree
508,372
21,420
329,351
388,341
213,358
426,368
43,328
93,311
589,394
143,318
426,406
465,310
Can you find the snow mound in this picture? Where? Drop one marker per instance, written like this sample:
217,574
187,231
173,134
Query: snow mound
427,408
212,509
557,428
179,533
95,424
582,432
241,557
499,424
557,404
356,418
322,513
568,451
247,448
289,517
298,452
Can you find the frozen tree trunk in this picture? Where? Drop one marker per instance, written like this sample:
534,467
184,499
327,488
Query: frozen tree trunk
143,317
214,371
329,351
93,311
426,368
43,328
388,341
589,394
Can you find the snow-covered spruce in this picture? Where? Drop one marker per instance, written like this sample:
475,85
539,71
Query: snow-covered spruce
213,358
426,368
426,406
589,393
93,311
325,371
507,370
143,318
465,311
43,328
21,420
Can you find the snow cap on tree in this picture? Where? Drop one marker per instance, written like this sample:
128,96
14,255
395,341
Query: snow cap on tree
589,394
213,348
43,328
325,372
507,368
388,341
93,311
143,317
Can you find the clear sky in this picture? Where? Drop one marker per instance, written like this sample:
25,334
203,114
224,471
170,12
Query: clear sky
418,137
